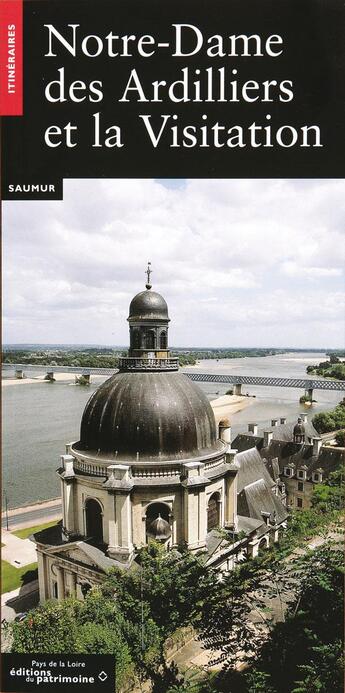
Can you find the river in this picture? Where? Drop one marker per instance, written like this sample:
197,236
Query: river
40,418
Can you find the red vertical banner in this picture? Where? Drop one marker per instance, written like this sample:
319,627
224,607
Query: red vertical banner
11,57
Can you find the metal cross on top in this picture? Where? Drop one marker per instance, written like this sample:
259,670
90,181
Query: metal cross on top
148,272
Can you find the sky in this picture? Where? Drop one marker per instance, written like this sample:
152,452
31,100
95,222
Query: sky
251,263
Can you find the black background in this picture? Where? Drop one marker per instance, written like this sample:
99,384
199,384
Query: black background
313,57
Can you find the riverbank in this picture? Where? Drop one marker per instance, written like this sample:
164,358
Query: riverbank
64,377
30,515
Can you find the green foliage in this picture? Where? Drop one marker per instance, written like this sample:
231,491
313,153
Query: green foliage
133,612
82,380
340,439
226,627
92,626
327,498
161,592
92,358
98,357
334,368
325,670
318,614
258,682
331,420
169,584
305,398
304,652
50,628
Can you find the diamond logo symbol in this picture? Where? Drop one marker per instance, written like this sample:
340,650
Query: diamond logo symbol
102,676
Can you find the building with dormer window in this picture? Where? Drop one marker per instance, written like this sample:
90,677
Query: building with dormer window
295,455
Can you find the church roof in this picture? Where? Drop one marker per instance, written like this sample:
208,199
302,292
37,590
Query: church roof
257,498
148,305
254,485
251,468
280,453
138,416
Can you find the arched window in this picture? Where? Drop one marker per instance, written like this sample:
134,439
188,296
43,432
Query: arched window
153,512
150,340
136,342
85,588
163,340
213,512
94,521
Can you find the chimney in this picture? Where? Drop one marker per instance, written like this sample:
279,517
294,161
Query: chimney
317,442
274,422
304,417
283,419
253,428
224,429
268,435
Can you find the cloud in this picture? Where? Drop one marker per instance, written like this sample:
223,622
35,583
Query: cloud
292,269
240,262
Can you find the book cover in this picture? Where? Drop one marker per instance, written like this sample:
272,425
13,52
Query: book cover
172,178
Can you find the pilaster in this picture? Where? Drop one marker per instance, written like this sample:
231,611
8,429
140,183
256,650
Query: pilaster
194,504
119,486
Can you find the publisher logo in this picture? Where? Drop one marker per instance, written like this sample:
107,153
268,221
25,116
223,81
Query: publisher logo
22,672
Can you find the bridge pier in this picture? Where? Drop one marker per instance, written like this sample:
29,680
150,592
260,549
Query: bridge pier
50,376
238,389
309,393
19,373
83,379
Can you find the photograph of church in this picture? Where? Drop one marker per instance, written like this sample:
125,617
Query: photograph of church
151,463
174,431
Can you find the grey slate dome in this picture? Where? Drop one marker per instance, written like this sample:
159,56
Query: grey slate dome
161,416
159,529
148,305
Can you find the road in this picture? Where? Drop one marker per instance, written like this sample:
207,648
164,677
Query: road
35,516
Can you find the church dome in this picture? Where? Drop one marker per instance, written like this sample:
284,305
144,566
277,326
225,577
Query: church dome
148,305
142,416
159,529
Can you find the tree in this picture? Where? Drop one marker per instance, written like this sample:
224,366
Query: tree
304,652
340,439
331,420
92,626
329,496
162,592
50,628
236,617
167,583
258,682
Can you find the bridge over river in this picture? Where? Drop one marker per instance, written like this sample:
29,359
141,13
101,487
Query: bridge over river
307,384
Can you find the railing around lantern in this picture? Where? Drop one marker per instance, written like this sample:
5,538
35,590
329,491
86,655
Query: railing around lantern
135,363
